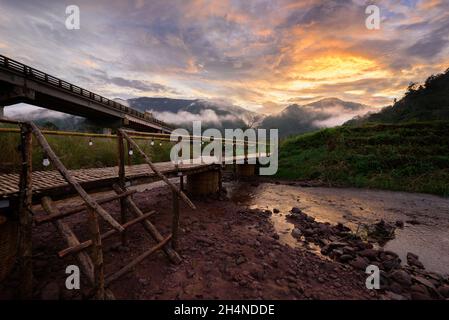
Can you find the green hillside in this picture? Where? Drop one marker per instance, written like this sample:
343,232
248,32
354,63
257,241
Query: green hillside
422,102
409,157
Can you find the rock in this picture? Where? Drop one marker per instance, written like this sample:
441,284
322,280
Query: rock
444,290
276,210
359,263
308,232
240,260
275,236
345,257
123,249
190,274
413,261
424,282
369,253
394,296
296,210
402,277
419,288
420,296
310,218
50,292
399,224
296,233
391,264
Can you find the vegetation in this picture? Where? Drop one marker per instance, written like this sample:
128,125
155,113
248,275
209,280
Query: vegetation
426,102
75,152
410,157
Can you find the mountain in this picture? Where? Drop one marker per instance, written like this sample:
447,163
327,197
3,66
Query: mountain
182,112
329,112
426,102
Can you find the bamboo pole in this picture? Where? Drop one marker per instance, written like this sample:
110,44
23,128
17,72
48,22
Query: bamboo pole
175,222
68,177
83,258
51,217
156,170
121,176
97,255
137,260
25,217
107,234
152,230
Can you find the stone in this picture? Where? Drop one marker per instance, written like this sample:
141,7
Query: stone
420,296
424,282
391,264
399,224
50,291
402,277
444,290
240,260
296,233
359,263
296,210
394,296
369,253
345,257
413,261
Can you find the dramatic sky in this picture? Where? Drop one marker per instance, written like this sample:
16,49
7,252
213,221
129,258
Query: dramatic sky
259,54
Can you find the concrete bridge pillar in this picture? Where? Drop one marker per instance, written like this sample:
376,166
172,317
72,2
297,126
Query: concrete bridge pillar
246,170
203,183
2,112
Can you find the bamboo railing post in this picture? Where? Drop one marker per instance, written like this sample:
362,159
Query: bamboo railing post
172,254
25,217
158,173
68,177
234,155
175,223
128,155
121,174
245,149
97,255
66,232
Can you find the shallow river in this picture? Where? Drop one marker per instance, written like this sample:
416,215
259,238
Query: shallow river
426,217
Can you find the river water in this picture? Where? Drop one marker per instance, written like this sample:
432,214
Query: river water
426,217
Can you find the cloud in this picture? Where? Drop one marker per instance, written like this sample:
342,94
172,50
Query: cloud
185,117
249,52
141,85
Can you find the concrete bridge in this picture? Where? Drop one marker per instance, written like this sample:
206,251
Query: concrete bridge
21,83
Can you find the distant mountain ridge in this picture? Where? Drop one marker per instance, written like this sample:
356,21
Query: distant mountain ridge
293,119
328,112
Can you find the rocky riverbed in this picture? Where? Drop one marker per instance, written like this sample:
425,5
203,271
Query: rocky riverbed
232,250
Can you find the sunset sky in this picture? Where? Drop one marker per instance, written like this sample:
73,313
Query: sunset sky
259,54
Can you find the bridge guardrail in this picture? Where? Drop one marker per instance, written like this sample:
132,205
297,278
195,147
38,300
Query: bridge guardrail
30,72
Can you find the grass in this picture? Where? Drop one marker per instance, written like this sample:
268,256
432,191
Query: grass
75,152
408,157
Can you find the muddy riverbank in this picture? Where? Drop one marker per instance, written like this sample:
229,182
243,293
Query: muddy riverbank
231,248
425,217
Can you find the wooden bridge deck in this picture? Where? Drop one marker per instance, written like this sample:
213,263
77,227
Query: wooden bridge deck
51,182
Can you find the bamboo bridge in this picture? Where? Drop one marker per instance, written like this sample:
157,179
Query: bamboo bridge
19,192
